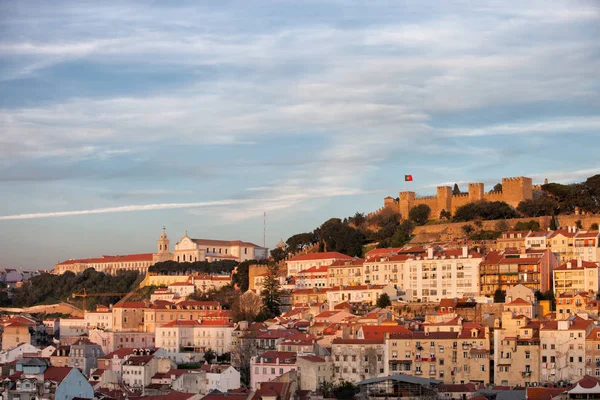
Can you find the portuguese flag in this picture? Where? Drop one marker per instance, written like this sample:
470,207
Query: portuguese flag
408,178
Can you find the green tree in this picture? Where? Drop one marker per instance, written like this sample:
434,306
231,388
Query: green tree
527,226
241,277
384,301
271,290
553,224
445,215
467,229
340,237
402,235
345,390
485,210
537,207
209,355
478,223
497,187
578,224
594,226
299,241
499,296
419,214
278,254
502,226
455,189
358,219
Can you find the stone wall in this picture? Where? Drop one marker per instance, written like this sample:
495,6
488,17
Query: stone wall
514,190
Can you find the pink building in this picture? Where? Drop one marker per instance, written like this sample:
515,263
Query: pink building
270,365
111,341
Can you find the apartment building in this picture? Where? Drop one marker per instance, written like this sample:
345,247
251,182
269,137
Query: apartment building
164,312
586,246
570,303
358,359
345,272
592,353
305,261
517,354
383,269
271,365
561,243
453,352
442,274
314,371
313,277
367,294
563,349
538,240
511,240
576,276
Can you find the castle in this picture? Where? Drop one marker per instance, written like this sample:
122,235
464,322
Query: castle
514,190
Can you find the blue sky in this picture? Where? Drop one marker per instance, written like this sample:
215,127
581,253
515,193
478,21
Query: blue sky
117,119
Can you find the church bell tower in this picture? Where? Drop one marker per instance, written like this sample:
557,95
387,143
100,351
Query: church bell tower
163,248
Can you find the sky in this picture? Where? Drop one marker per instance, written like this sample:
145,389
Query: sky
119,118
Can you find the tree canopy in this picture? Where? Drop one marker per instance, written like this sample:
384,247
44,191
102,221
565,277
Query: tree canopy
185,268
419,214
271,291
299,241
485,210
537,207
384,301
340,237
527,226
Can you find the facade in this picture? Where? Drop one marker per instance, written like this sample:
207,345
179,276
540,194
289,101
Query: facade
305,261
191,310
441,274
506,269
576,276
358,359
271,365
511,240
191,250
99,319
313,277
514,190
14,334
520,307
314,371
84,356
561,243
586,246
569,304
107,264
563,349
111,340
367,294
385,270
345,272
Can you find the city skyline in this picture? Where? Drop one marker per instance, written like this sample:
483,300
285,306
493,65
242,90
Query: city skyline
201,118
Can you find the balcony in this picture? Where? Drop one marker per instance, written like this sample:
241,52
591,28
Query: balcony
418,372
526,374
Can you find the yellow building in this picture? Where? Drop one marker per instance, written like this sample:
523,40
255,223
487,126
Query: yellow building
576,276
345,272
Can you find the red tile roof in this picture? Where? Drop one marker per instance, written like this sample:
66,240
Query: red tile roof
110,259
574,265
182,323
131,304
358,341
321,256
224,243
56,374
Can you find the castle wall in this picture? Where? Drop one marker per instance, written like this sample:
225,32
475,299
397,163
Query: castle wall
514,190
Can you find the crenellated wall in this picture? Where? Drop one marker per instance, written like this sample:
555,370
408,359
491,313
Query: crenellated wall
514,190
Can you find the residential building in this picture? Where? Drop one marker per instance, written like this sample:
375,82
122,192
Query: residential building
11,354
570,303
304,261
309,296
111,341
164,312
367,294
107,264
221,377
576,276
163,294
270,365
358,359
586,246
384,269
84,355
537,240
14,334
511,240
442,274
314,371
505,269
99,319
128,316
520,307
182,289
345,272
35,380
313,277
563,349
561,243
592,353
137,371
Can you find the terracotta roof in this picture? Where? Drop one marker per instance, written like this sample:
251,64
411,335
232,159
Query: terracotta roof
574,265
377,332
56,374
563,232
313,270
131,304
321,256
358,341
515,260
519,301
181,322
110,259
591,234
574,324
357,287
271,355
212,242
181,284
312,358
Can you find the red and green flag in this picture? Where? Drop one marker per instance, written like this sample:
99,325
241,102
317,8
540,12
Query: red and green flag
408,178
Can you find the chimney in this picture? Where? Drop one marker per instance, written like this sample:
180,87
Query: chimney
579,263
569,265
465,251
430,252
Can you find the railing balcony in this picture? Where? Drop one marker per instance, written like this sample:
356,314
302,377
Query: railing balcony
418,372
526,373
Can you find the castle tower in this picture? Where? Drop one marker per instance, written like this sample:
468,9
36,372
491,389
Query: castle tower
475,192
163,248
515,190
407,201
444,199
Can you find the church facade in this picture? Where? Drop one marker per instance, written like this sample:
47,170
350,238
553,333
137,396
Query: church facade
186,250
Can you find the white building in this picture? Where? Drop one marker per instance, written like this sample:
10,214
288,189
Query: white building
71,327
576,276
16,352
563,349
186,341
586,246
182,289
442,274
305,261
358,294
99,319
222,377
270,365
191,250
312,277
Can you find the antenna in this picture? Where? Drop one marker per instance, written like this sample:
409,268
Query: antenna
265,229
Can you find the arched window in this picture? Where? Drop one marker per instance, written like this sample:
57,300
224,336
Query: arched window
177,258
184,257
